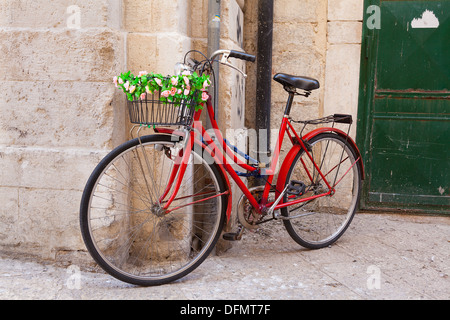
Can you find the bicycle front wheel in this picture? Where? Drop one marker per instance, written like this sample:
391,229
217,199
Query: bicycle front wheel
319,222
123,223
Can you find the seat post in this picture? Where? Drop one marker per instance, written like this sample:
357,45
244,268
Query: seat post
290,100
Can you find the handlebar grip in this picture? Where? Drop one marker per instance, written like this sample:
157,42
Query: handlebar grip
242,56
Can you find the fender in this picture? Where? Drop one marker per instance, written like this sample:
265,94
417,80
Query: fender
281,182
216,160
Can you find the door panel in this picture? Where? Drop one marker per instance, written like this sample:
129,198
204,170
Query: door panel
404,111
413,58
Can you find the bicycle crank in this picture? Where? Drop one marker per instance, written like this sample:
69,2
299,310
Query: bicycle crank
247,216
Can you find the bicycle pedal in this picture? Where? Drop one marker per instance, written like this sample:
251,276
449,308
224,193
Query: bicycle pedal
231,236
296,188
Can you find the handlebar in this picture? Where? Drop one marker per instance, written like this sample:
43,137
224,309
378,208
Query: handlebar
242,56
226,54
233,54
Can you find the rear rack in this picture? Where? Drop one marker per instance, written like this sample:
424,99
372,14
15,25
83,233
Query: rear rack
335,118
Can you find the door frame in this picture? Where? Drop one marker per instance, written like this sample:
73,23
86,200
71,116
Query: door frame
366,94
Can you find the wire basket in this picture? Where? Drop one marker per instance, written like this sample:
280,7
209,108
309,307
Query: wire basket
152,111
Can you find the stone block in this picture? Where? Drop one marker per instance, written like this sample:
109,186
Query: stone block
171,16
40,221
47,168
288,11
171,49
141,52
340,32
60,55
9,213
304,62
199,15
345,10
52,114
49,220
155,16
293,37
138,15
59,13
156,53
342,80
232,22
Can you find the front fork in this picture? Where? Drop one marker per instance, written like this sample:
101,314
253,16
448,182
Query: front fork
179,167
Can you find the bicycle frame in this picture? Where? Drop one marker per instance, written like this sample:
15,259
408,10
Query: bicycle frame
219,154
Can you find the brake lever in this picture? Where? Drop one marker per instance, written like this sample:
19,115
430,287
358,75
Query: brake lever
235,68
224,61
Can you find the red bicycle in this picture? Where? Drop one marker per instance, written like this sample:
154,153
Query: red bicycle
154,208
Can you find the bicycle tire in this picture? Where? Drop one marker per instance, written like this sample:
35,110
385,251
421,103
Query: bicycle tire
122,225
322,221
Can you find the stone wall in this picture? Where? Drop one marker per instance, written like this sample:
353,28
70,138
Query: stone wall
59,115
59,111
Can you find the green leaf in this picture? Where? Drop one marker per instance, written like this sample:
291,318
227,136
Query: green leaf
148,82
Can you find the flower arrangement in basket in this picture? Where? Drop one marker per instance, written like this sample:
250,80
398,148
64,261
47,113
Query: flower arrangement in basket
188,86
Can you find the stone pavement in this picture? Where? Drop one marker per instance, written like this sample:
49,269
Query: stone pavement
381,256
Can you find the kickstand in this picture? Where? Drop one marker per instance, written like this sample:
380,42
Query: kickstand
234,236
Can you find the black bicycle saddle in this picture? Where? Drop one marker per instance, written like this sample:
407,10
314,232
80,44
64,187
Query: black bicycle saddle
298,82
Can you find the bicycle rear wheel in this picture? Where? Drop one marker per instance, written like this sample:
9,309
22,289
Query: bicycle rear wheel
320,222
122,221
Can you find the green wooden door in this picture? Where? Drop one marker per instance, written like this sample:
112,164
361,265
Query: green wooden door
404,105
